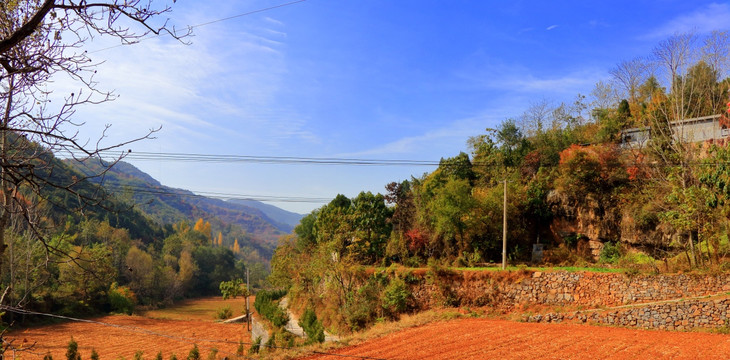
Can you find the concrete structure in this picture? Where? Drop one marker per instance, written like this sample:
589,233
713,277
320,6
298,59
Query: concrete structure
695,130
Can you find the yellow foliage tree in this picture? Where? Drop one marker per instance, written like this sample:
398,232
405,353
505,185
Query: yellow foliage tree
236,247
219,242
204,228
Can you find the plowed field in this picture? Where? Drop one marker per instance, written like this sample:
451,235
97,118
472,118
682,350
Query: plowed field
499,339
124,335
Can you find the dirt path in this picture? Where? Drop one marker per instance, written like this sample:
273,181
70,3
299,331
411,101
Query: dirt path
258,330
293,325
492,339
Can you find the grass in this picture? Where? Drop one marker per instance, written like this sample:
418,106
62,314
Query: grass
538,268
517,268
198,309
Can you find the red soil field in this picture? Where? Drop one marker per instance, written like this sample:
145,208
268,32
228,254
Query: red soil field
112,342
499,339
172,330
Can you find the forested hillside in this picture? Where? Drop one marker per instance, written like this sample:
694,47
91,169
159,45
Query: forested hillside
168,205
572,185
91,251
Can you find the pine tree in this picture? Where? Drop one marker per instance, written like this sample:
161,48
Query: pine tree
194,353
72,352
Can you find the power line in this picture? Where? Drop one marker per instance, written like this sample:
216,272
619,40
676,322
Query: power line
246,14
215,195
203,24
225,158
295,160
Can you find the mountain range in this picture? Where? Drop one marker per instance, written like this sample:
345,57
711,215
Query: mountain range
167,205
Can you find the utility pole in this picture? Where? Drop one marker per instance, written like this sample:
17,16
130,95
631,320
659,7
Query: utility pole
248,310
504,227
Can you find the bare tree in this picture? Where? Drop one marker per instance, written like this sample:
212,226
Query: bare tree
716,52
536,118
629,75
692,75
604,96
41,40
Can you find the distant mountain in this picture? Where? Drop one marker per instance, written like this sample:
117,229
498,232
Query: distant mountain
168,205
273,212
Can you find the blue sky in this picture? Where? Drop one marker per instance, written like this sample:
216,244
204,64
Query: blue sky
366,79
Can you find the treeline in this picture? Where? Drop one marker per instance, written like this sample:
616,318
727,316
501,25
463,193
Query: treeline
660,203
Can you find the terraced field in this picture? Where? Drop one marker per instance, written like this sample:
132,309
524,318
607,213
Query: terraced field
499,339
172,330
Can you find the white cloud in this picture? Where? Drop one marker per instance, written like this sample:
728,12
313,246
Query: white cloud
273,21
517,79
223,86
438,142
703,20
551,27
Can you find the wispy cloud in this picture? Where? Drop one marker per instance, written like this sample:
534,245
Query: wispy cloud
225,85
440,141
493,74
551,27
715,16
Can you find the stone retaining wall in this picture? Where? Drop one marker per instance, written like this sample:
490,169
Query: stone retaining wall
683,315
562,288
506,290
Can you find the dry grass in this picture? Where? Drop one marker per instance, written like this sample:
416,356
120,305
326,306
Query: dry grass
198,309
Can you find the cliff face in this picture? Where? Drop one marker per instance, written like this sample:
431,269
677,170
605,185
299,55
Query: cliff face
592,223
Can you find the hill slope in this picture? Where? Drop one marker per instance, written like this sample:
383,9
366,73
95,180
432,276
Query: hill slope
168,205
277,214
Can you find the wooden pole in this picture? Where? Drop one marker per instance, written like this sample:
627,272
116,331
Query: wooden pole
248,309
504,227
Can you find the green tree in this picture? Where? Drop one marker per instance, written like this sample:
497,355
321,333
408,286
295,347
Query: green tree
312,326
72,350
450,209
371,218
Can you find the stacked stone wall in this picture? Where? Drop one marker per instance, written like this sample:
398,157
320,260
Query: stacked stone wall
506,290
684,315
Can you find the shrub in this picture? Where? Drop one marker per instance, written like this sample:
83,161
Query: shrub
138,355
213,354
312,326
232,289
394,297
159,356
271,344
173,357
194,353
72,350
94,354
224,313
239,350
610,253
269,309
122,299
48,356
363,305
254,349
